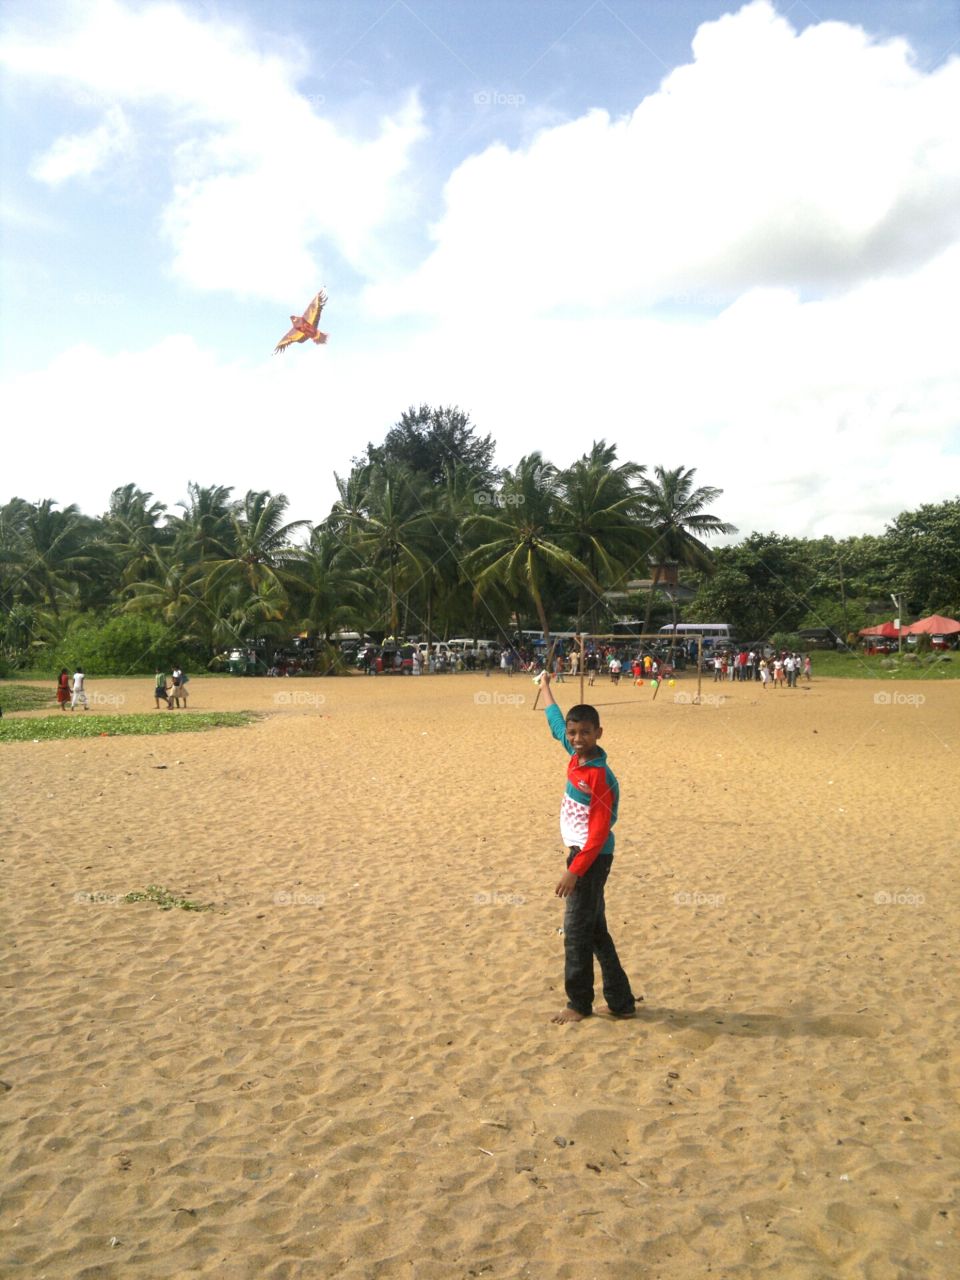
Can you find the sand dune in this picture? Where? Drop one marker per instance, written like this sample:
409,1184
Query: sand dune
347,1068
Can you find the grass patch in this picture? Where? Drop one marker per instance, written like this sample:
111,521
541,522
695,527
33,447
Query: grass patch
859,666
166,900
25,697
80,724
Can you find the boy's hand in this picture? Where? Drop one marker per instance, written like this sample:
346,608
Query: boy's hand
566,884
544,676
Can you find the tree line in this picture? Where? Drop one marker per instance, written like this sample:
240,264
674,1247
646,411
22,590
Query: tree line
427,537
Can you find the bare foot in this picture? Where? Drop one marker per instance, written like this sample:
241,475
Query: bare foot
620,1016
568,1015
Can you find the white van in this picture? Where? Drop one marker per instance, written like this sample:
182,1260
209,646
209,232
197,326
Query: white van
437,647
460,646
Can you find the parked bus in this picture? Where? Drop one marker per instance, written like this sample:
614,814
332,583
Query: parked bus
714,634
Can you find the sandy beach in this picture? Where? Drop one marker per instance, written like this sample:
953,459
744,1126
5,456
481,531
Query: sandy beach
347,1068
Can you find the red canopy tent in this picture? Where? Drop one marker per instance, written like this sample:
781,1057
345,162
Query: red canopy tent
885,629
935,625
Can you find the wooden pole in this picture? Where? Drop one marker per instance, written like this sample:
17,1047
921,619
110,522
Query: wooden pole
583,663
699,665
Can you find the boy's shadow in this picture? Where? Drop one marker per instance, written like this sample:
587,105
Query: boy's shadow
726,1022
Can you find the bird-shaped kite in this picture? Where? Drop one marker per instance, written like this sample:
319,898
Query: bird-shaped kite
305,326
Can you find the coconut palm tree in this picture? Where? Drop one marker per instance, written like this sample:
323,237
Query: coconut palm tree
260,553
519,540
601,514
174,592
675,513
51,556
333,593
393,534
204,531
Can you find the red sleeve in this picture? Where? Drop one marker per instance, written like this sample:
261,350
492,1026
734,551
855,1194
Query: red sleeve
598,827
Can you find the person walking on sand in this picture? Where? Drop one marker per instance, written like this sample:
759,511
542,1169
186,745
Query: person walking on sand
63,688
179,686
79,692
807,667
587,814
160,690
764,674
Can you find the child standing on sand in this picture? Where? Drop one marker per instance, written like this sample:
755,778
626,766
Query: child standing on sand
79,691
588,812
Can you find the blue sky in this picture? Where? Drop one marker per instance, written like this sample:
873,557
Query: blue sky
724,236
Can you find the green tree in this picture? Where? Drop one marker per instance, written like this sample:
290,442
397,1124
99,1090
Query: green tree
430,441
332,592
393,534
204,531
758,587
518,540
674,510
261,555
601,514
173,591
923,547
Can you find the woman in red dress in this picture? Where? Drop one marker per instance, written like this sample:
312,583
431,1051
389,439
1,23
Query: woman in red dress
63,688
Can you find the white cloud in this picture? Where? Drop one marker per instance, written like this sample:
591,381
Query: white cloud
811,159
793,195
813,417
259,181
79,155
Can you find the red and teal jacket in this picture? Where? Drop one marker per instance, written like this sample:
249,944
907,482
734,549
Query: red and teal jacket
590,801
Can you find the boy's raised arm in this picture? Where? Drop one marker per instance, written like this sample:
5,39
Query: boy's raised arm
555,717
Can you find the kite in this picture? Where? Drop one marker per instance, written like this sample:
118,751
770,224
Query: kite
305,326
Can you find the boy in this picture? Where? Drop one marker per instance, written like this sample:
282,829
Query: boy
588,811
179,690
160,690
79,692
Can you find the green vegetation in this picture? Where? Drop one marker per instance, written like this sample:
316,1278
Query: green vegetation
860,666
24,697
427,537
79,724
111,646
166,900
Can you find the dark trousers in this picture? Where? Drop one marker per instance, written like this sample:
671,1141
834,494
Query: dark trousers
585,935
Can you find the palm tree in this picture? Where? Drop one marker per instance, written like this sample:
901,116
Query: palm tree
393,533
51,556
674,511
240,612
130,534
204,530
332,593
519,539
601,516
173,591
259,553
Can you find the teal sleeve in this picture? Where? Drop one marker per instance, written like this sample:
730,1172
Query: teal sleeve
558,727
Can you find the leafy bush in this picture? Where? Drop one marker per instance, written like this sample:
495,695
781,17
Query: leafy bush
787,640
126,645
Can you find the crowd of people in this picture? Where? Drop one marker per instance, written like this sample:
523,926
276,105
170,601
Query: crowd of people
783,668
